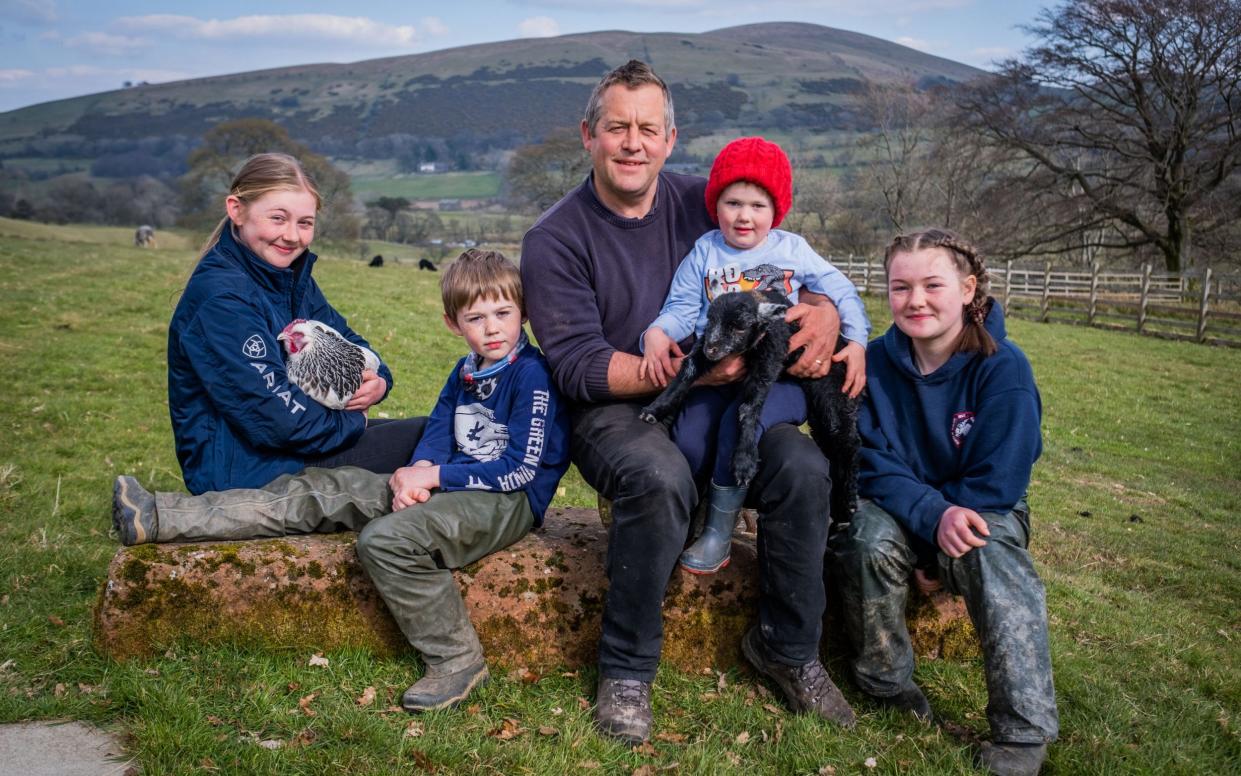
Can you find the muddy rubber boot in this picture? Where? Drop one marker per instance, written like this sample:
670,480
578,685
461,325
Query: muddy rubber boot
710,552
133,512
1005,759
443,691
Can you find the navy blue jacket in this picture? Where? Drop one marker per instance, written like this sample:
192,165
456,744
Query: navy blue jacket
965,435
238,421
506,431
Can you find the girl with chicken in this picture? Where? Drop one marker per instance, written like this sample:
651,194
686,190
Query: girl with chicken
238,418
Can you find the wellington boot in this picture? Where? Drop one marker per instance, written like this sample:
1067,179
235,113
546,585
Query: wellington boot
710,552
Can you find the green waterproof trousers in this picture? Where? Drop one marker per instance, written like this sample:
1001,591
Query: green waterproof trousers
874,560
409,554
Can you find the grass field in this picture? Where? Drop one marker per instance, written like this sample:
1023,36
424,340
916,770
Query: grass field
446,185
1136,532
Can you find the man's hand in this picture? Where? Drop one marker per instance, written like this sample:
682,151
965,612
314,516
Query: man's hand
413,484
958,531
372,390
819,328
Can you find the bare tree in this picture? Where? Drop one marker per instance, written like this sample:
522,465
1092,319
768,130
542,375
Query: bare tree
540,174
897,147
1125,121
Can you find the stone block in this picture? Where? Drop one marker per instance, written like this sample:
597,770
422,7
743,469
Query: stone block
535,605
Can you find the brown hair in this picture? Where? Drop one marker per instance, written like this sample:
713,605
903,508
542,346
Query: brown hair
968,261
261,174
632,74
477,274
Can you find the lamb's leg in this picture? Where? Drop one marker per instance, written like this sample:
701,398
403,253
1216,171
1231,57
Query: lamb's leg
833,425
667,403
762,370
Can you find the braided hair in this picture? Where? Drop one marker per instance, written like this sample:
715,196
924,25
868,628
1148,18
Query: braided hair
968,261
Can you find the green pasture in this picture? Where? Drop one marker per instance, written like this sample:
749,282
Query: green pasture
1136,532
444,185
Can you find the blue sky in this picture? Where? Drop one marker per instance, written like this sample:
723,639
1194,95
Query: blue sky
50,49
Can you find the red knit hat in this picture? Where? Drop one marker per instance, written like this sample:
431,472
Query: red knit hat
756,161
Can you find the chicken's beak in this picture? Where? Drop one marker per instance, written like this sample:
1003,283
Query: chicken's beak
282,336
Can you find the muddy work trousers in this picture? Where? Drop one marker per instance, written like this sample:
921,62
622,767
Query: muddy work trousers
875,559
408,554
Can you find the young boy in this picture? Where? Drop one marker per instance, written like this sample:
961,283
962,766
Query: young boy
482,475
749,192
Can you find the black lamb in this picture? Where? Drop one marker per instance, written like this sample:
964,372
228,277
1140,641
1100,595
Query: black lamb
752,323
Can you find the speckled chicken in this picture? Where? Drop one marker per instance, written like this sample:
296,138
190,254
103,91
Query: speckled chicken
324,364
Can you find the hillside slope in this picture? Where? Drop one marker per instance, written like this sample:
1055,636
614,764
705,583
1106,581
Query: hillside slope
497,95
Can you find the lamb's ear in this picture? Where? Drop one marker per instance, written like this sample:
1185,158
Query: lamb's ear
771,310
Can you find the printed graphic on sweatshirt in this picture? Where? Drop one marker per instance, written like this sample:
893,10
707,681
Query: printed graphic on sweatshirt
477,432
731,278
962,422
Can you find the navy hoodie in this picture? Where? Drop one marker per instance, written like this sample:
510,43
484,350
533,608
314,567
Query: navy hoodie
238,421
965,435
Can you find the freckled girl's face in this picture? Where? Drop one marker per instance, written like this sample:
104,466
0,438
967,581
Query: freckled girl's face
277,226
928,295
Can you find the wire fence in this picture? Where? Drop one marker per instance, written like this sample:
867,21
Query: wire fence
1197,306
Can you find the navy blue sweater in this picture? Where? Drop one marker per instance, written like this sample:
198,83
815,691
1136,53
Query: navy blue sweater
965,435
238,421
594,280
506,432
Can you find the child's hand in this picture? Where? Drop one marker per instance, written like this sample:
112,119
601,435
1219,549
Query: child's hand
369,392
413,484
958,531
854,356
658,351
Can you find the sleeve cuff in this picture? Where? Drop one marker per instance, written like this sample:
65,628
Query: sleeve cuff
596,382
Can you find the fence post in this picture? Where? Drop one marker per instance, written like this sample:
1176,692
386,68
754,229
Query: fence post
866,277
1202,305
1142,300
1043,303
1008,283
1093,308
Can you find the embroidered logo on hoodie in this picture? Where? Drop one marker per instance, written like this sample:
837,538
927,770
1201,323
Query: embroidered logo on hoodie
962,422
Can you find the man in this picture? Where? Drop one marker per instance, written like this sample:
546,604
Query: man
596,268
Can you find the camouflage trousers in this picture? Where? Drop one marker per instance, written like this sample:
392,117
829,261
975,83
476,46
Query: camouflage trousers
409,555
874,561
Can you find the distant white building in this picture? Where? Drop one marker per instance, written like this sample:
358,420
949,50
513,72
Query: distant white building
426,167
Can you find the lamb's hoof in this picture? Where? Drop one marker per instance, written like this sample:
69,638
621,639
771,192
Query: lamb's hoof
647,416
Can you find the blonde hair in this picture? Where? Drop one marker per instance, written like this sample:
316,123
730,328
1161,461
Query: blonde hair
477,274
968,262
262,174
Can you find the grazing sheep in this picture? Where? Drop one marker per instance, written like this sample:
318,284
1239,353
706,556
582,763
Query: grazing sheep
426,264
752,323
144,236
377,261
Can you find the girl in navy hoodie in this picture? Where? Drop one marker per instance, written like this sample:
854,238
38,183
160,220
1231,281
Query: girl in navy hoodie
950,432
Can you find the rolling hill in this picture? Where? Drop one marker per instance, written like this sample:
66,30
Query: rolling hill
775,76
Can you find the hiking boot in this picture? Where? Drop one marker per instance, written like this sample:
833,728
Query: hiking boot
909,699
442,691
710,552
806,687
1011,759
133,512
623,709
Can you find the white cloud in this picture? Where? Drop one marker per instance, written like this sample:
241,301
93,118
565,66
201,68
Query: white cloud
914,43
15,75
102,42
353,29
538,27
434,25
29,11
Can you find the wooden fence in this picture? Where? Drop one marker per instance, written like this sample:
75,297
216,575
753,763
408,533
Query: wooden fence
1201,307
